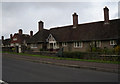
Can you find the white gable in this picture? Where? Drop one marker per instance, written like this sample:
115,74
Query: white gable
51,39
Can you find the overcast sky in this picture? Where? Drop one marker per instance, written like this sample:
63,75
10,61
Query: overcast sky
25,15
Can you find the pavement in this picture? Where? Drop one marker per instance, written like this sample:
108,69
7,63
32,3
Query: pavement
106,67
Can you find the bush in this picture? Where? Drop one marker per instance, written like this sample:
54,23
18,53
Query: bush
41,49
79,55
13,49
117,49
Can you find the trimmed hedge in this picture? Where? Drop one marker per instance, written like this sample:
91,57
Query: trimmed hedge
91,56
78,55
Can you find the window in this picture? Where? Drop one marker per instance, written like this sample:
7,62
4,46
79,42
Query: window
57,45
12,44
78,44
98,43
95,44
14,39
33,45
17,44
112,42
64,44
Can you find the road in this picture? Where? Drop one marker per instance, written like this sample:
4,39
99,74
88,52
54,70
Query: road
15,70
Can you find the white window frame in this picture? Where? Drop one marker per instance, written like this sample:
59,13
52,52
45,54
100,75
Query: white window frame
17,44
78,43
33,45
64,44
11,44
14,39
56,45
112,42
98,43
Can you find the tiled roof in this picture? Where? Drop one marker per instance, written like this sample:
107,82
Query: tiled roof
20,37
83,32
40,36
96,31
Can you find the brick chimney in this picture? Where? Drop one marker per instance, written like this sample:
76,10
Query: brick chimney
20,31
106,15
2,38
10,36
40,25
31,33
75,20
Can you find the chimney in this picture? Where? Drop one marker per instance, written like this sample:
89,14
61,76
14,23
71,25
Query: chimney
20,31
106,15
2,38
31,33
75,20
10,36
40,25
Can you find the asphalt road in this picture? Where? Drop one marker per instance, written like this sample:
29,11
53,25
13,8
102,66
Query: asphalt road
15,70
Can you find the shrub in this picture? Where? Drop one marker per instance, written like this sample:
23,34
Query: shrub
79,55
13,49
96,49
41,49
117,49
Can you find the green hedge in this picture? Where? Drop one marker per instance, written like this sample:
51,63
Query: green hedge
90,56
79,55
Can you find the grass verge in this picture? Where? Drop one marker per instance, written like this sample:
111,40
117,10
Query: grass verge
62,58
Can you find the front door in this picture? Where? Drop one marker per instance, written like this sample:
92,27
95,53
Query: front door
44,46
51,45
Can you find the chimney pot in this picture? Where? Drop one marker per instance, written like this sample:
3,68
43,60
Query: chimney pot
75,20
40,25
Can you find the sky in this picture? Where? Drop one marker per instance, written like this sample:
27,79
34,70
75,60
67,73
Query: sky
25,15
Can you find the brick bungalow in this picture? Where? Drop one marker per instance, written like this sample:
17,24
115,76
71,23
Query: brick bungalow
77,37
17,40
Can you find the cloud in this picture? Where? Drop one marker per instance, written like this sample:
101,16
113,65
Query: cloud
26,15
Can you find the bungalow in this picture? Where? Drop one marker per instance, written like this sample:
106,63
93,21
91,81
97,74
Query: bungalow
18,40
77,37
